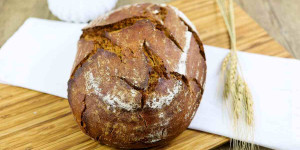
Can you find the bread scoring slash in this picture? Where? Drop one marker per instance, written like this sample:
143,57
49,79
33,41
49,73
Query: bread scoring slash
138,76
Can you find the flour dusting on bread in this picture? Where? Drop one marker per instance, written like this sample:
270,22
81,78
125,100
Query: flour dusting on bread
92,83
115,97
160,100
181,68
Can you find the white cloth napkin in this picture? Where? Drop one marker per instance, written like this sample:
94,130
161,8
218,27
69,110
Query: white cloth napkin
40,55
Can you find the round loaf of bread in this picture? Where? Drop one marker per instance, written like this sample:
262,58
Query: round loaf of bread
138,76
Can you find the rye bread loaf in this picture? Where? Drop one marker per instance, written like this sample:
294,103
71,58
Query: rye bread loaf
138,76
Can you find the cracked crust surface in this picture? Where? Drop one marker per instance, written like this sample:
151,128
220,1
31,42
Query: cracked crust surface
138,76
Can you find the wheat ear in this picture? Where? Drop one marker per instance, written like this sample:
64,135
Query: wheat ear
248,104
238,97
225,63
232,72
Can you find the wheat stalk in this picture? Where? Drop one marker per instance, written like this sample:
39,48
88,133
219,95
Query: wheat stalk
235,87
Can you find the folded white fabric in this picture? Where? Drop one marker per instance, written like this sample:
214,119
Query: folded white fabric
40,55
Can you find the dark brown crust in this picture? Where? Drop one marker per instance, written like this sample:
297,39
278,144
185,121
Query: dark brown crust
125,89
